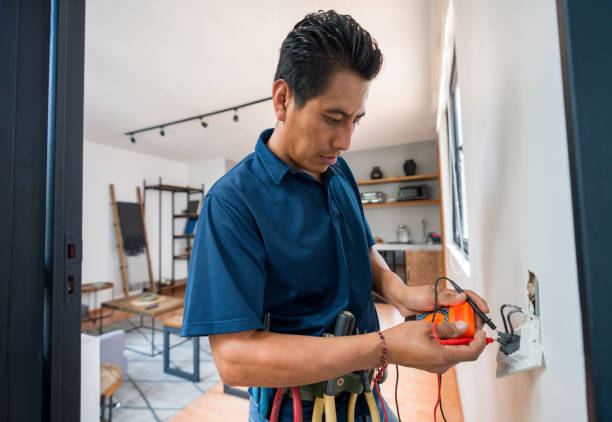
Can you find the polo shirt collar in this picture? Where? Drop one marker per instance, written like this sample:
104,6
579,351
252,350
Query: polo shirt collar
274,166
277,168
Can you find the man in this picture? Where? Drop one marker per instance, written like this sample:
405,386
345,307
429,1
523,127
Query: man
284,233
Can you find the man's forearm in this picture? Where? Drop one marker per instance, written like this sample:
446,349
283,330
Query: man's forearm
260,358
386,283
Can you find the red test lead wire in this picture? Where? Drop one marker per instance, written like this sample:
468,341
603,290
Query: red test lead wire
449,342
382,403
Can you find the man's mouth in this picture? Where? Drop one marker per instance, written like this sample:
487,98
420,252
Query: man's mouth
329,159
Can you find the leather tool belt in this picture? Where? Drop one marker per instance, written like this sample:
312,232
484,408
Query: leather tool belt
348,383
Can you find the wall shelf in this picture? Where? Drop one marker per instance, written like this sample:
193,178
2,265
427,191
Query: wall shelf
403,203
398,179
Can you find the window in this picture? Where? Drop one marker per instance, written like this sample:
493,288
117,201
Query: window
455,152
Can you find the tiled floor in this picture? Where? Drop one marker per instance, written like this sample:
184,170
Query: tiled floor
146,392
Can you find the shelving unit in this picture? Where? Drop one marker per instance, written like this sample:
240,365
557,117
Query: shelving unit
414,178
403,203
189,191
418,265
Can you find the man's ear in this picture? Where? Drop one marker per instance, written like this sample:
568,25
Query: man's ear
281,96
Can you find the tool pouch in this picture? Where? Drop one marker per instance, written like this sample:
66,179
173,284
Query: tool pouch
349,383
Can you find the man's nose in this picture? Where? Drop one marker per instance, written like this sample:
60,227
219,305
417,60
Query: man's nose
342,140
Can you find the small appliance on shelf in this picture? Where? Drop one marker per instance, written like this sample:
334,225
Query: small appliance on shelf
403,234
411,193
372,197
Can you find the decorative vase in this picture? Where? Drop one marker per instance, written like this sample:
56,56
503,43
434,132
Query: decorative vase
376,173
410,167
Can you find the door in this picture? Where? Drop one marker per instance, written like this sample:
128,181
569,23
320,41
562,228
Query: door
586,58
41,136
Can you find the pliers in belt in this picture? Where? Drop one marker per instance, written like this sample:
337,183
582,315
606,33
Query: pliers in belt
278,401
367,391
344,327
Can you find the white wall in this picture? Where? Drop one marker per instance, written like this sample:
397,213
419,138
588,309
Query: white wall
208,171
103,165
384,221
519,204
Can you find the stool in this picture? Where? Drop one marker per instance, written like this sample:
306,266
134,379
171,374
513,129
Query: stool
173,325
110,380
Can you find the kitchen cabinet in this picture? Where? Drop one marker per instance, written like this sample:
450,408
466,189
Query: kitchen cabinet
423,267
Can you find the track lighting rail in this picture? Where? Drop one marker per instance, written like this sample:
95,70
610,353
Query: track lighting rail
162,126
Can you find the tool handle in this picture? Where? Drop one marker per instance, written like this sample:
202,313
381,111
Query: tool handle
278,401
344,324
297,404
344,327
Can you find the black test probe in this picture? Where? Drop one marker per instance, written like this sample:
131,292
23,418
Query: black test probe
481,314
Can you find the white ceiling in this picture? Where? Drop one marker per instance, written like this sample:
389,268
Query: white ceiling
152,61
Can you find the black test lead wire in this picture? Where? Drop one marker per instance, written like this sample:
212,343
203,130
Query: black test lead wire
433,319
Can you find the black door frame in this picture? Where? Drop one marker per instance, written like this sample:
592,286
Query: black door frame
41,157
586,58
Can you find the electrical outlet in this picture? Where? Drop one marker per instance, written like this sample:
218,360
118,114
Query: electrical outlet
528,355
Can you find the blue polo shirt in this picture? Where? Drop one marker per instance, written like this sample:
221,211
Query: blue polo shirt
274,239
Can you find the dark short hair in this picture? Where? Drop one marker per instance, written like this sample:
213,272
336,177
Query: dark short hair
321,44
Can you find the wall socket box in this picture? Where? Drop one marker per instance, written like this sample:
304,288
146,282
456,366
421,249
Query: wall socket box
528,355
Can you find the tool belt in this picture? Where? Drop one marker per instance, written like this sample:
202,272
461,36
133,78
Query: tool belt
349,383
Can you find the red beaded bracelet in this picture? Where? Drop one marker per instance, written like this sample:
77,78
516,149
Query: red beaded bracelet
383,366
384,358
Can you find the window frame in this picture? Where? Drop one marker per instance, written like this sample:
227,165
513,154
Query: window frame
456,165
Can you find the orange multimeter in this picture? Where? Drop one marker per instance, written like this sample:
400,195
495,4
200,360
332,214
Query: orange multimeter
463,312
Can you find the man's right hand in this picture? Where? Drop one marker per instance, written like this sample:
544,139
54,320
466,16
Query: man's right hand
412,344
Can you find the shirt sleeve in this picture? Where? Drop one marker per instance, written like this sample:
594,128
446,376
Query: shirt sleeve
349,175
226,281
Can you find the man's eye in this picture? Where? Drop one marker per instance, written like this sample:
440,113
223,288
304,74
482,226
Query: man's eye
332,121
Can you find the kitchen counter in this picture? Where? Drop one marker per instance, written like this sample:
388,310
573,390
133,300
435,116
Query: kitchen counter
407,247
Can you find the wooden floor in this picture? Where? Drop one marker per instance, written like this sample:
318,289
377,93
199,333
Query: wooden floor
417,391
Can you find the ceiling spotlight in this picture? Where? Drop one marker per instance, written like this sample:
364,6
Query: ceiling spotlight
235,114
203,123
161,131
133,139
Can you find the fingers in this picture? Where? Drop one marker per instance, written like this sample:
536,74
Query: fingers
480,302
451,330
468,352
448,297
482,305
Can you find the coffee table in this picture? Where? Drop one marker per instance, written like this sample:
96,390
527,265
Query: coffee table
133,305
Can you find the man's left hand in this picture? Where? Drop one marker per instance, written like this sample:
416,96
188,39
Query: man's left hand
419,299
